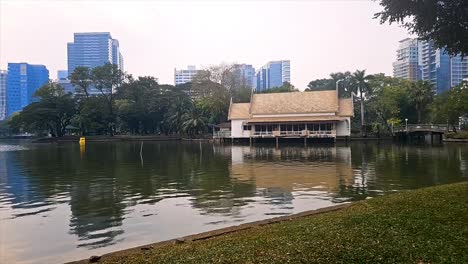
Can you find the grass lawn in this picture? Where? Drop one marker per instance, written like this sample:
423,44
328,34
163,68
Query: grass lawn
423,226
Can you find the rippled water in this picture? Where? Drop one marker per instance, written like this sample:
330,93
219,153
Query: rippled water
61,202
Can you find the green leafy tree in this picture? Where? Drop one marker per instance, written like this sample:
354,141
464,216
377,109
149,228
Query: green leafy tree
330,83
388,104
81,79
52,113
422,95
285,88
94,116
108,79
449,106
443,21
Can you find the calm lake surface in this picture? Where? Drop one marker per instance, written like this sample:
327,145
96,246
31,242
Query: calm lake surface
61,202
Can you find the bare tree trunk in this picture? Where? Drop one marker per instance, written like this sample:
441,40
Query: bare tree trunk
419,116
363,123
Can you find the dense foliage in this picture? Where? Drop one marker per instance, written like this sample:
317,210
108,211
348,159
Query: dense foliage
443,21
143,106
285,88
386,101
127,105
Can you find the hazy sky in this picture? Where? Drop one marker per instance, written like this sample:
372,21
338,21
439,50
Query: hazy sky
319,37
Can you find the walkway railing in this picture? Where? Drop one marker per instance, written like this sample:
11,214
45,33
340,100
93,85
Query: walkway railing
441,128
222,134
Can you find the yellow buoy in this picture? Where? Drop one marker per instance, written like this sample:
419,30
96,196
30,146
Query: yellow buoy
82,140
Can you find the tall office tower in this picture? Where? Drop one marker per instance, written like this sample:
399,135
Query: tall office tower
438,67
23,80
246,74
435,66
185,75
273,74
458,70
3,85
92,50
406,65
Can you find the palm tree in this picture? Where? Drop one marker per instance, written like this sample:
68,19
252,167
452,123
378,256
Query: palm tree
422,94
360,86
179,107
194,122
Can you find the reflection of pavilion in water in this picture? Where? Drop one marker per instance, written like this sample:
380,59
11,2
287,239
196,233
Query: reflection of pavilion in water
280,172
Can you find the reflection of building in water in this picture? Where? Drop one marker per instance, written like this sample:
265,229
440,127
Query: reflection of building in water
15,185
290,169
97,213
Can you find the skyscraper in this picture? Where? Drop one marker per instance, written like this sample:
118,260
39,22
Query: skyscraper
92,50
185,75
3,84
458,70
245,73
406,65
23,80
273,74
438,67
435,65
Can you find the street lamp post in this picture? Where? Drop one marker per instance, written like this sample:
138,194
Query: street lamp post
337,82
406,124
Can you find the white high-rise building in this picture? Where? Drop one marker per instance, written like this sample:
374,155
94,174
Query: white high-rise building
185,75
3,84
406,65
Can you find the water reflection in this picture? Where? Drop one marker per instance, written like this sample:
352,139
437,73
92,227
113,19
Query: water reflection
103,198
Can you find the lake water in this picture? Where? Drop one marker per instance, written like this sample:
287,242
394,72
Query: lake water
61,202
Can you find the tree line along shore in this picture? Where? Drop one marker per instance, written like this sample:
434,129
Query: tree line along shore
141,106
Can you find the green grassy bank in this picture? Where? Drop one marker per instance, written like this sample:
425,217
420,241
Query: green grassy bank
422,226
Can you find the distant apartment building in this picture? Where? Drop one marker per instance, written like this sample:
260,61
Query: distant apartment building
62,74
246,74
185,75
92,50
22,82
273,74
3,85
406,64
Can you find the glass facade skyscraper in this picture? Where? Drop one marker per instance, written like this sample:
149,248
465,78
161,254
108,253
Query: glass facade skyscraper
23,80
434,65
245,73
438,67
3,85
273,74
458,70
92,50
